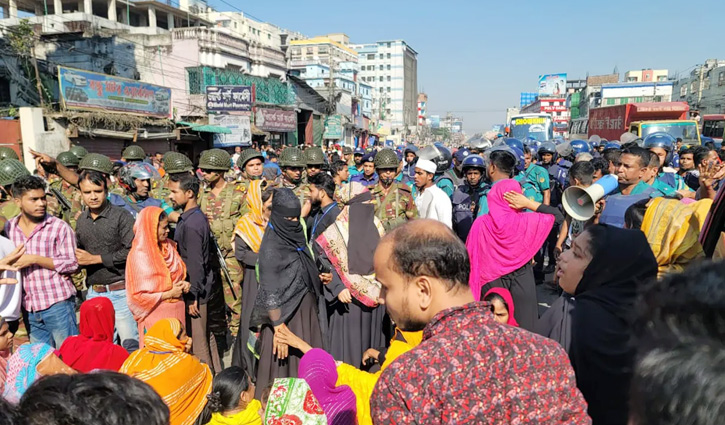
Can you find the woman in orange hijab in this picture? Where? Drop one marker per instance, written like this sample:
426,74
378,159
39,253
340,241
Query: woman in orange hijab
155,273
178,377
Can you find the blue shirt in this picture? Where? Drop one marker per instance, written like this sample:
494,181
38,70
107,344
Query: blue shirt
134,206
273,166
360,178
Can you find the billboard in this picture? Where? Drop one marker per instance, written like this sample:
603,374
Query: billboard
383,128
93,91
333,127
276,120
240,126
528,98
228,98
552,85
435,121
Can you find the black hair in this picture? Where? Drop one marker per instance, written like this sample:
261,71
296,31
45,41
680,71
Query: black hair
8,413
597,239
710,145
629,145
503,160
582,171
109,398
600,164
186,182
337,167
324,181
654,161
334,157
271,155
496,297
25,184
612,155
679,332
685,150
634,215
95,177
227,388
157,153
440,255
699,153
642,155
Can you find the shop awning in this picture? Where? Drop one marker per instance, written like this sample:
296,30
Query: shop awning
205,128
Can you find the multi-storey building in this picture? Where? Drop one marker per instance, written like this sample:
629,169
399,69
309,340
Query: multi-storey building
391,68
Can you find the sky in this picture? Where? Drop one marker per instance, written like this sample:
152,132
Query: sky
475,57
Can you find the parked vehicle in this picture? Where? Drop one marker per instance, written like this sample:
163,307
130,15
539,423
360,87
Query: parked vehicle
610,122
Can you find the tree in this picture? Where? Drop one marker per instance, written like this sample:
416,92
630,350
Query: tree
22,40
442,133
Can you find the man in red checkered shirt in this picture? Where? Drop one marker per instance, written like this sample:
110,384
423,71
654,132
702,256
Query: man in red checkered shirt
46,266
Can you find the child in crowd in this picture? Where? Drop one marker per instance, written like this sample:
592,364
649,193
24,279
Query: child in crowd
502,305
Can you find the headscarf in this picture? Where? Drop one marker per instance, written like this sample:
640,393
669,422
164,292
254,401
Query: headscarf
286,268
22,369
672,229
355,234
291,401
151,267
248,416
508,300
179,378
94,347
317,367
250,226
601,351
505,239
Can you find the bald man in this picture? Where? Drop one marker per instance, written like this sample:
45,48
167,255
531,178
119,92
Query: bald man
469,368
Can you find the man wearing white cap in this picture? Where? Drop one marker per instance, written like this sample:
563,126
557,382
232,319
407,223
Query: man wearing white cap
431,201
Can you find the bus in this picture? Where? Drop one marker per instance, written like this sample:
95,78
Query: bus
713,126
537,126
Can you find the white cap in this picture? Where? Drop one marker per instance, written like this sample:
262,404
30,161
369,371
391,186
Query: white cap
426,165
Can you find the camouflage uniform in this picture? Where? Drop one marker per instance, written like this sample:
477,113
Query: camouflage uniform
161,190
396,208
8,211
72,195
226,208
116,189
302,190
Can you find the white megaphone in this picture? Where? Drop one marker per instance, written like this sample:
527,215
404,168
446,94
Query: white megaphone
580,203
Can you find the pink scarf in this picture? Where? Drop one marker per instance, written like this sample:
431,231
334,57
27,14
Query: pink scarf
508,299
505,239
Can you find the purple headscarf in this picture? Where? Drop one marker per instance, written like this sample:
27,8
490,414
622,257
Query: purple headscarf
318,368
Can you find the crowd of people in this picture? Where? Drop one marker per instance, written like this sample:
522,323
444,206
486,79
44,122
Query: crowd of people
361,286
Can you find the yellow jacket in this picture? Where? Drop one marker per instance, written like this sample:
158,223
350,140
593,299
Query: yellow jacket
363,383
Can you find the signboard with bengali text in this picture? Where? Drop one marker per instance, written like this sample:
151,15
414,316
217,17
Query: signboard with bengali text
276,120
228,98
85,90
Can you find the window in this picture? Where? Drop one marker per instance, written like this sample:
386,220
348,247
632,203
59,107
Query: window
381,78
371,57
381,89
388,89
388,55
235,25
683,89
662,78
692,87
381,56
388,67
706,84
309,50
381,67
388,45
388,77
721,78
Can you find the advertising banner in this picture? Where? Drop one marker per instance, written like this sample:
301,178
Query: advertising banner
241,128
93,91
552,85
435,121
333,127
276,120
383,128
228,98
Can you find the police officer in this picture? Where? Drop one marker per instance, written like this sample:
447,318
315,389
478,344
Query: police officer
173,163
458,158
444,178
71,194
314,161
558,169
222,203
133,153
369,177
466,197
10,170
393,201
357,165
534,180
347,155
136,181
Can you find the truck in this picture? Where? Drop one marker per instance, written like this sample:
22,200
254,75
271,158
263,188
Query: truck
713,126
642,119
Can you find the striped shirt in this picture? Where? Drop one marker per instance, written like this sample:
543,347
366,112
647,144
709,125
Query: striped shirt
51,238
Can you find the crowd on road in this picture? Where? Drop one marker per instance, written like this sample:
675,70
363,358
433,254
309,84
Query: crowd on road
393,285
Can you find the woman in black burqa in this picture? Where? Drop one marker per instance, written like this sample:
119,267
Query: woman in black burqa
600,276
289,290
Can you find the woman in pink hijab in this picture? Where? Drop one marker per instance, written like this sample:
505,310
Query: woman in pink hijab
502,244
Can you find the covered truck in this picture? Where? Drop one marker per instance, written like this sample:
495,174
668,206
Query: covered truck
609,122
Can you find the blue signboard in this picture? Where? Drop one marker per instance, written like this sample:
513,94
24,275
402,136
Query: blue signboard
93,91
228,98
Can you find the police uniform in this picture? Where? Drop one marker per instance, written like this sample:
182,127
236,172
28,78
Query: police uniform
466,202
534,181
396,208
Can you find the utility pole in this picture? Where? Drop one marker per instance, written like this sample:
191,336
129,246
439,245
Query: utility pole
699,87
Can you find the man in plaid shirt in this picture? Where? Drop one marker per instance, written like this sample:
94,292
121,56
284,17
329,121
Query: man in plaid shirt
46,266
